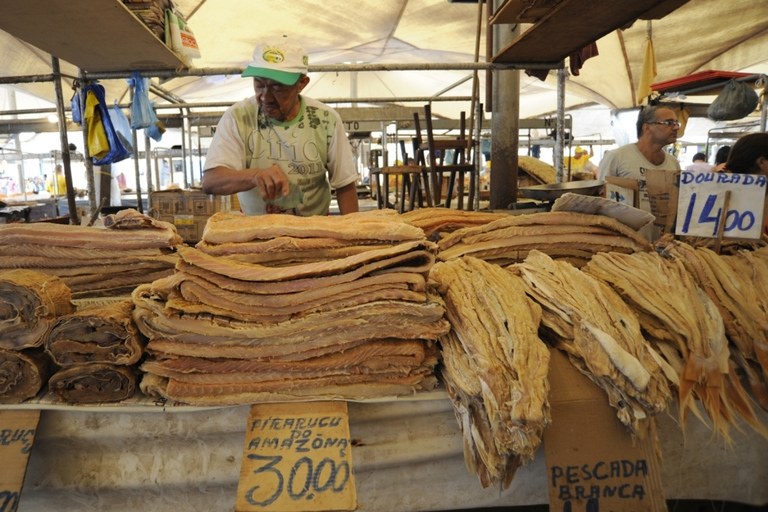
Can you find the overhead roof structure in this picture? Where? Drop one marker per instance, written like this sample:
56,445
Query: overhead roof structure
699,35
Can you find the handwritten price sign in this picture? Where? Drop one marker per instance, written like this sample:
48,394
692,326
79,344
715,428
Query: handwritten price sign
297,458
17,433
701,201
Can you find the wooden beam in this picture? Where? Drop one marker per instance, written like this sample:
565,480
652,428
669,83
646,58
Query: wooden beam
94,35
574,24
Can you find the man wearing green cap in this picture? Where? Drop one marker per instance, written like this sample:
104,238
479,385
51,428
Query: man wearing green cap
278,150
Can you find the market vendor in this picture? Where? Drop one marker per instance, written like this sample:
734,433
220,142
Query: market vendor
656,128
280,151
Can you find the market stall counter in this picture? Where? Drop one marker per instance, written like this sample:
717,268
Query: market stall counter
407,456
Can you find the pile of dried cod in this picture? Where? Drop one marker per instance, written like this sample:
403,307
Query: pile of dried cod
30,303
98,349
438,222
589,321
94,262
288,308
574,237
495,366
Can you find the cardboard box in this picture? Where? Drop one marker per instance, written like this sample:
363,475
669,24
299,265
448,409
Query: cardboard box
185,226
167,202
592,462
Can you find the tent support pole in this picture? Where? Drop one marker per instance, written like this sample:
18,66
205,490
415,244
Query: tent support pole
64,142
560,139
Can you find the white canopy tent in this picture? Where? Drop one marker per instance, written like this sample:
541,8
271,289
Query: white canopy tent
700,35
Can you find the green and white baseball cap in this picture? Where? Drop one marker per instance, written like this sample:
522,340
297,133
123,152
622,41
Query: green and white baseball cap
278,58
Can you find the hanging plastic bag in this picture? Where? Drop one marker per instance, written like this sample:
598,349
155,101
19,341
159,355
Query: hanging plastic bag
98,144
182,40
98,122
737,101
141,110
122,126
155,130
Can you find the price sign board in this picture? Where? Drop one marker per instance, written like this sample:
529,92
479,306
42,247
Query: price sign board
17,433
701,201
297,457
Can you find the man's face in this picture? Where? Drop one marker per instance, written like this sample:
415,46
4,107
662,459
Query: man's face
278,101
664,128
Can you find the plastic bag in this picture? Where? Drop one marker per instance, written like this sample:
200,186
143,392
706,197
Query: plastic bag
737,101
155,130
142,111
179,37
98,144
142,114
99,125
122,126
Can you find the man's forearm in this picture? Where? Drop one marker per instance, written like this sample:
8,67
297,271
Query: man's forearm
346,198
223,181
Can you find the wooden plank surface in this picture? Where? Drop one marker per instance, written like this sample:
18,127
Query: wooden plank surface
94,35
574,24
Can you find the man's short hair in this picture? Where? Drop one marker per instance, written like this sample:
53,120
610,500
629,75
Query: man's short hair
700,156
647,115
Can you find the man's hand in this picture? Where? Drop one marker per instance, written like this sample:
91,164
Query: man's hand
272,182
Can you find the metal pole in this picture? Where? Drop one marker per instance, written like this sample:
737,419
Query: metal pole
148,163
64,142
190,152
139,200
89,177
560,139
764,110
184,152
506,125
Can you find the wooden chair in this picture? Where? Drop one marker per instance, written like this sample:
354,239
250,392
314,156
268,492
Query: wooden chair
410,185
457,168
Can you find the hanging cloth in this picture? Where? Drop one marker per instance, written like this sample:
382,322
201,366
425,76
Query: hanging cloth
649,71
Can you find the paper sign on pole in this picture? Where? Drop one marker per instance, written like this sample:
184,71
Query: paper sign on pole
702,196
298,457
17,433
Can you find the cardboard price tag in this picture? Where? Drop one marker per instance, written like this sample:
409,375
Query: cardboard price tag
17,433
701,201
298,457
592,462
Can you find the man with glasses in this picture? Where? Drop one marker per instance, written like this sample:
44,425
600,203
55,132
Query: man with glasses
278,150
656,127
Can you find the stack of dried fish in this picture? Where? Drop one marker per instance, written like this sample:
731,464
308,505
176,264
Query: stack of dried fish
589,321
495,366
685,326
280,307
541,171
31,302
98,348
574,237
437,222
737,286
94,262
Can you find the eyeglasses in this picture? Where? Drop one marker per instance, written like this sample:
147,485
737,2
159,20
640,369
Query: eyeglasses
275,88
668,123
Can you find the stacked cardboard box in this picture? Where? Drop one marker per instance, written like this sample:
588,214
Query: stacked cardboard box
188,210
